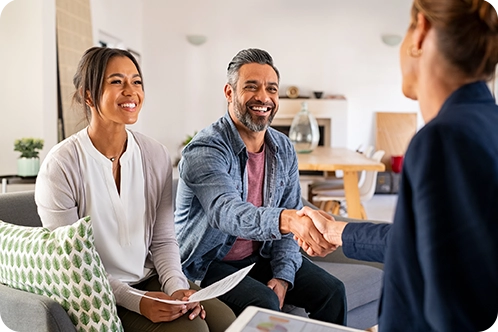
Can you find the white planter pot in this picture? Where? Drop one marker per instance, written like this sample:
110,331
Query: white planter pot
28,166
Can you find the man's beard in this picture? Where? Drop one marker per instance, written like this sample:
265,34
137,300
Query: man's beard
256,125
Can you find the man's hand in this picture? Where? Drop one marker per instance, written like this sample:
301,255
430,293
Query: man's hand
157,311
325,224
304,229
279,286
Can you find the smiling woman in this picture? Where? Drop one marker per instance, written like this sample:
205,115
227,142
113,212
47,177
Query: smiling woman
122,179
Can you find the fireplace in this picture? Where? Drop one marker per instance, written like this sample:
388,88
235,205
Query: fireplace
330,114
283,126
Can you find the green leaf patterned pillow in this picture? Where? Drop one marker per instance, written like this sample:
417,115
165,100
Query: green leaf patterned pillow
63,265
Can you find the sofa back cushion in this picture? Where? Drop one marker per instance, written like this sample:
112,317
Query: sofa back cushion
19,208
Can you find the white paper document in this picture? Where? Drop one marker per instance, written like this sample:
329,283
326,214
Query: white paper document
218,288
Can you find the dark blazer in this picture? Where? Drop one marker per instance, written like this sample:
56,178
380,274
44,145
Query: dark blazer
441,253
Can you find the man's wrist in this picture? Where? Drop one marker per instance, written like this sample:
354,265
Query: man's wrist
285,221
284,283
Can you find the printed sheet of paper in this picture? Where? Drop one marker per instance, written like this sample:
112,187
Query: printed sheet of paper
218,288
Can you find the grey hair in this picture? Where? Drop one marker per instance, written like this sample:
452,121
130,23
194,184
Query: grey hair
250,55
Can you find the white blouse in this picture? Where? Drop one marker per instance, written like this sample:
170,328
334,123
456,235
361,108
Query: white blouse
118,219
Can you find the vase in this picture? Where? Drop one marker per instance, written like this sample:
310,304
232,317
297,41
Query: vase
28,166
304,133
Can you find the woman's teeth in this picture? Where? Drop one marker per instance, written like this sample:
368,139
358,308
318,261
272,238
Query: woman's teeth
129,105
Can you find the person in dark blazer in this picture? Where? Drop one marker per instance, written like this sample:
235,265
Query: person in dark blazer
441,251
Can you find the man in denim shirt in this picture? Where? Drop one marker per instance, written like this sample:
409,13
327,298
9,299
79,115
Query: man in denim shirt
237,199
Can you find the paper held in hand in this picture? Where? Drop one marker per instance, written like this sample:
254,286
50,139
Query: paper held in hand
218,288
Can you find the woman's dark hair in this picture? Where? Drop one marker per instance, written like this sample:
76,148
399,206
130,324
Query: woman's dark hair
251,55
90,75
467,33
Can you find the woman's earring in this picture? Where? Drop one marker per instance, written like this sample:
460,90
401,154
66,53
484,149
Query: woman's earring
415,52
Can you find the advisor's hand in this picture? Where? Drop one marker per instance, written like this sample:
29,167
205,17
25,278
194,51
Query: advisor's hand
326,224
303,228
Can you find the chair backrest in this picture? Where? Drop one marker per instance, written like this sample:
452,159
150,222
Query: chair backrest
368,153
367,188
369,150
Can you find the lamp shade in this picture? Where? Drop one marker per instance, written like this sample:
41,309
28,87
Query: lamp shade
391,40
196,39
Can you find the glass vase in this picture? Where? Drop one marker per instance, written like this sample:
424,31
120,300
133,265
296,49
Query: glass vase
304,133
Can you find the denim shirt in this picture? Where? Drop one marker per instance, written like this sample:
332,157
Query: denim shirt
211,202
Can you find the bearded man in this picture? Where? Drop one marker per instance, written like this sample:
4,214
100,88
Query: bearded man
237,198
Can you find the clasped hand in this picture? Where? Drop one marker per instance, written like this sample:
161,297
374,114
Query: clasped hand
327,226
157,311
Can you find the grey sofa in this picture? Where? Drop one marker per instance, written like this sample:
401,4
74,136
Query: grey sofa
22,311
362,280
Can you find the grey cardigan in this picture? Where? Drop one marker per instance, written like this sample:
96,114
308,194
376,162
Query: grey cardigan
61,200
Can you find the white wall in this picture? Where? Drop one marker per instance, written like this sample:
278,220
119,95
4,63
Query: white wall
329,45
28,77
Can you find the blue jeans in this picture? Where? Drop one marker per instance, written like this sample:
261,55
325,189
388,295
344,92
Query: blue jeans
322,295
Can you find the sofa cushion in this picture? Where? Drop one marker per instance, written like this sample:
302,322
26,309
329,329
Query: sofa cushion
363,283
63,265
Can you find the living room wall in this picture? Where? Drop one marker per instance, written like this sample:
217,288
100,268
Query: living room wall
28,66
329,45
28,84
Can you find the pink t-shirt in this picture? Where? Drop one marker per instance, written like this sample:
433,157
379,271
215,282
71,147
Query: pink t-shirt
243,248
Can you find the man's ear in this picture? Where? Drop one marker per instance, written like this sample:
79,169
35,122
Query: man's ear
229,92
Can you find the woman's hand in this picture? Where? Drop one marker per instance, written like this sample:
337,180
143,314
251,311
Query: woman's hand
157,311
196,308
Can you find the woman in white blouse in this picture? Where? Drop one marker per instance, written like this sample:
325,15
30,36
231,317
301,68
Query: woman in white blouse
123,181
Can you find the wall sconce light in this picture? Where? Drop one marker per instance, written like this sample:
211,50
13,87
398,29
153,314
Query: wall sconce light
391,40
196,39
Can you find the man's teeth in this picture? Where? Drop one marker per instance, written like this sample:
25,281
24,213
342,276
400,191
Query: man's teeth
261,109
129,105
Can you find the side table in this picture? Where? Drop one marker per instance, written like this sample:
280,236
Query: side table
16,179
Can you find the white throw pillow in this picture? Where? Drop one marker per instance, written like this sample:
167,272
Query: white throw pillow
63,265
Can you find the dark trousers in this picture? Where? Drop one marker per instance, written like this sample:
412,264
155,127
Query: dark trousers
322,295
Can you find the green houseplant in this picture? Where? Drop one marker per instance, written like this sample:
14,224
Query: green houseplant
28,163
182,145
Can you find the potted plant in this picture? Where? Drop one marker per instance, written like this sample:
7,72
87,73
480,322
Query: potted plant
28,163
182,145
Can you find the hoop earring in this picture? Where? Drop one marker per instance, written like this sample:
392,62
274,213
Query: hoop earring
414,52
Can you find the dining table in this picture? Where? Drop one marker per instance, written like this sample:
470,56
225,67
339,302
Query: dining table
350,162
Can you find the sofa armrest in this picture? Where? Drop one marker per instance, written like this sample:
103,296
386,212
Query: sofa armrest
23,311
338,255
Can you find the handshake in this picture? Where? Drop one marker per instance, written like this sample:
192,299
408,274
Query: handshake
316,231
